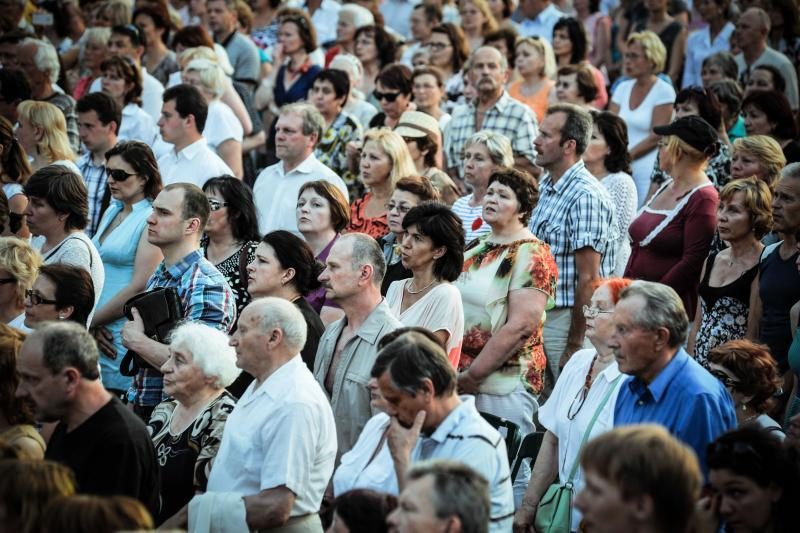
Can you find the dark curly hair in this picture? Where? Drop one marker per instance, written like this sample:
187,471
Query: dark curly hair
775,105
293,252
384,42
525,187
615,132
457,40
754,368
708,106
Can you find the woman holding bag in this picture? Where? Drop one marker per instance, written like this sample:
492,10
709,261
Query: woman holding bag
587,386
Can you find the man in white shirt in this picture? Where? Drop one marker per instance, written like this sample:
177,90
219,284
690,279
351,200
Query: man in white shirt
703,42
324,15
183,117
299,128
536,18
279,445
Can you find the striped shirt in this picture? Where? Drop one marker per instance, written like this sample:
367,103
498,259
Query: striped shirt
206,298
469,216
574,213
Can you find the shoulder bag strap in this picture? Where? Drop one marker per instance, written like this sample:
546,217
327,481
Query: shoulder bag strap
588,431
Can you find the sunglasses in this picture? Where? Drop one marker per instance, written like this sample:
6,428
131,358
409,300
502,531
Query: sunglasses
119,175
726,380
389,97
36,299
216,205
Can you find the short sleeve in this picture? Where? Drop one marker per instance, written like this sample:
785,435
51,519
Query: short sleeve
665,93
590,223
535,268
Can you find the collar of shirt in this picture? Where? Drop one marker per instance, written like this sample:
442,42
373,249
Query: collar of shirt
658,387
179,269
371,327
306,167
565,181
191,151
500,105
453,419
87,160
276,385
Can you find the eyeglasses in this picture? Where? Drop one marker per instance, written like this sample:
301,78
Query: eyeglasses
119,175
216,205
36,299
401,208
726,380
5,281
592,312
389,97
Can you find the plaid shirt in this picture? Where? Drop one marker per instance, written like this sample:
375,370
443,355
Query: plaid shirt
507,117
574,213
95,178
206,298
67,106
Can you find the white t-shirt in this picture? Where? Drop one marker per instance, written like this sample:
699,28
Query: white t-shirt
221,125
137,125
356,471
468,214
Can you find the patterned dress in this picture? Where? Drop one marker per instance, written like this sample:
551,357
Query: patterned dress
375,227
331,148
491,271
231,269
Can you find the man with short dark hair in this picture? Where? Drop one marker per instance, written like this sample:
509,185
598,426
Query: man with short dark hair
183,117
14,88
104,444
99,117
242,52
180,212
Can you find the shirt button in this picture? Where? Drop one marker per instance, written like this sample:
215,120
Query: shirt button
640,402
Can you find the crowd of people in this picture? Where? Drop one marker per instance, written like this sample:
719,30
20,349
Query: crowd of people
418,265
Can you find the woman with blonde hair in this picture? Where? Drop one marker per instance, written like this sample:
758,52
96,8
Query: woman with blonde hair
760,156
384,160
42,132
477,21
19,267
643,102
536,64
14,172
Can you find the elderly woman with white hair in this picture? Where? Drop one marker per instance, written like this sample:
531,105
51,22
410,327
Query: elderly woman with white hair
187,427
92,52
352,17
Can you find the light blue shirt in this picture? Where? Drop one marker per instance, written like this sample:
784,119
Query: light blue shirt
542,25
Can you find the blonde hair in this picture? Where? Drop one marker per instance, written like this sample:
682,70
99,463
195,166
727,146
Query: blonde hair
676,148
498,146
210,74
117,11
757,201
767,151
199,52
48,118
653,48
21,261
489,22
395,149
545,50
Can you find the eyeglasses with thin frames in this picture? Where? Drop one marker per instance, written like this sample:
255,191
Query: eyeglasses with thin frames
592,311
36,299
402,209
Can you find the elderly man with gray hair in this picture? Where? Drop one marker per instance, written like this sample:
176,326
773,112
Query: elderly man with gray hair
39,61
297,131
666,386
279,444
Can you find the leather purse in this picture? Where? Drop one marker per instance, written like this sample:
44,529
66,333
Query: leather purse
161,310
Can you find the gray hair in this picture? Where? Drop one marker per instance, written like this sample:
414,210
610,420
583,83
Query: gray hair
502,56
313,122
209,349
92,36
349,64
68,344
577,125
791,171
46,57
662,308
458,490
366,251
278,313
498,146
361,15
411,358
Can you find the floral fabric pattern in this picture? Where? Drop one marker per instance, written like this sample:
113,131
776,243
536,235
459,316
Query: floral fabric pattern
375,227
330,150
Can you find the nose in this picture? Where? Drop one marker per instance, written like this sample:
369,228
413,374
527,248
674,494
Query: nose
323,276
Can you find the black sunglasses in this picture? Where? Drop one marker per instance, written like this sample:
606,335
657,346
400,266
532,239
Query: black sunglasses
726,380
119,175
216,205
36,298
389,97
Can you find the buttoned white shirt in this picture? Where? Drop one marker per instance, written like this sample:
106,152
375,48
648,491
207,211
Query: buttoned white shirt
542,25
137,125
281,433
196,163
275,192
698,47
152,93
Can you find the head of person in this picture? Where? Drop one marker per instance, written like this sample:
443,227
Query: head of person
270,331
42,131
56,362
609,143
442,496
351,18
510,198
769,113
132,172
638,477
690,140
13,409
504,39
433,235
532,8
408,193
489,72
183,115
362,510
760,156
476,16
19,267
99,118
296,32
569,40
484,153
765,78
26,486
38,59
94,48
122,80
699,102
600,311
575,84
200,361
749,373
221,16
232,211
421,133
374,45
752,28
393,89
385,156
427,85
60,292
13,158
321,208
349,64
786,201
180,213
447,47
282,259
207,77
730,97
153,22
14,88
82,513
745,209
329,91
354,269
113,13
297,131
535,55
563,136
717,67
754,476
191,37
645,55
650,325
424,17
126,40
57,201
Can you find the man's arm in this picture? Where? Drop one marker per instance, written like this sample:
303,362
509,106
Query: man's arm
587,263
269,508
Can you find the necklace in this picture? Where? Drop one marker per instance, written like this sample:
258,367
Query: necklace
423,289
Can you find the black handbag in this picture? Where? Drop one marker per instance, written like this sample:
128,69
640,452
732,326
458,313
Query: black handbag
161,310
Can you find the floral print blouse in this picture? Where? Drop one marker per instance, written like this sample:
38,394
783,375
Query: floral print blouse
491,271
359,223
330,150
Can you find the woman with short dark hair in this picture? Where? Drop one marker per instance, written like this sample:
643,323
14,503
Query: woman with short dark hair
448,51
575,84
376,49
155,26
61,292
122,81
769,113
298,39
571,47
329,92
393,88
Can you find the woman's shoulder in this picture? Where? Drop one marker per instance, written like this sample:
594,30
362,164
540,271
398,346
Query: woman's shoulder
579,361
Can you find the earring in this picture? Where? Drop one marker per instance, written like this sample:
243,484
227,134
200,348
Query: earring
61,317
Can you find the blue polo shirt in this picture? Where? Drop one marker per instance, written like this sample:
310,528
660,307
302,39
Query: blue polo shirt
685,398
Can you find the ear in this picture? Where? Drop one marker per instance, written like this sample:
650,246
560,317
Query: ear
73,378
288,275
662,337
642,508
66,312
38,133
366,274
427,390
193,226
439,252
453,525
775,492
274,338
